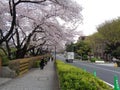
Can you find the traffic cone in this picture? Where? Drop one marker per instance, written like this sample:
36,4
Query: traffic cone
116,84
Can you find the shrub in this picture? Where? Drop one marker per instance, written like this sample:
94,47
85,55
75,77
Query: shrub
93,59
36,64
73,78
5,60
118,63
84,57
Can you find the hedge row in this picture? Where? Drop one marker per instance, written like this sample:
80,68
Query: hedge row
73,78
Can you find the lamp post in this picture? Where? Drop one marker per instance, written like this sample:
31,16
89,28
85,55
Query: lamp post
55,52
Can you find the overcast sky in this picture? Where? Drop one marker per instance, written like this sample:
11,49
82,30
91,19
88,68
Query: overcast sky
96,12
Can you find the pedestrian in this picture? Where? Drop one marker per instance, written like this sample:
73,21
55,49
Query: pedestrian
42,63
52,58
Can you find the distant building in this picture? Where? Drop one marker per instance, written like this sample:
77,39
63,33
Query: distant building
81,38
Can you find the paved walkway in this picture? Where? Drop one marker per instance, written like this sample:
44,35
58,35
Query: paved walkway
36,79
4,81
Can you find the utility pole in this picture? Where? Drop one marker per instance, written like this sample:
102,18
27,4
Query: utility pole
55,52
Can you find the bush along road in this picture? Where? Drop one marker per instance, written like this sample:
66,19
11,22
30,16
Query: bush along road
73,78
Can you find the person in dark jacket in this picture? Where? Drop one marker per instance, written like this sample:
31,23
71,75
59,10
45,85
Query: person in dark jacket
42,64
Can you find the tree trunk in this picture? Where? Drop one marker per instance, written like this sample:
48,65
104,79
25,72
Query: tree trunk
20,53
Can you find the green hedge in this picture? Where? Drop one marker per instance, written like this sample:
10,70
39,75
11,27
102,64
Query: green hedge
73,78
95,59
36,64
85,57
5,60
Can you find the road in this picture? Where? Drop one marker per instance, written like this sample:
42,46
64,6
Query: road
105,72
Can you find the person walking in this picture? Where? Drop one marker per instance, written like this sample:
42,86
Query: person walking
52,59
42,63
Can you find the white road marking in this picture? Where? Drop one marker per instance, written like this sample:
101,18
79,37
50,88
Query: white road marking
109,84
102,68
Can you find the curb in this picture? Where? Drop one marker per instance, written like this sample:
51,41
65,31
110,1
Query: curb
108,84
57,75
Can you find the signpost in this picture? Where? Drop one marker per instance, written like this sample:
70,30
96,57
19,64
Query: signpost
55,53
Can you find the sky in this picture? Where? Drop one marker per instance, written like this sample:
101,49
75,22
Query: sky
96,12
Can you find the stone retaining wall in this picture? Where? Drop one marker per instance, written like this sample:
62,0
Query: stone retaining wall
19,66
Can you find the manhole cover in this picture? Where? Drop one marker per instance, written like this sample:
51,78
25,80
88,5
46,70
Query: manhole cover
42,78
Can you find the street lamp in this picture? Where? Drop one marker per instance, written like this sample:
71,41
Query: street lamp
55,52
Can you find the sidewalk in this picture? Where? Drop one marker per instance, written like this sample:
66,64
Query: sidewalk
4,81
36,79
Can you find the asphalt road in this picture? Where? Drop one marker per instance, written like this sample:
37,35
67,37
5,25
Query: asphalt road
105,72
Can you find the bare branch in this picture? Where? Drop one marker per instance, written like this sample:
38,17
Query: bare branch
10,6
28,1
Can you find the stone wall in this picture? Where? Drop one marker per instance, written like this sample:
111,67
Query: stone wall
19,66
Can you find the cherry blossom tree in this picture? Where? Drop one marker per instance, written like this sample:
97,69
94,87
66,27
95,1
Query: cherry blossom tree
30,24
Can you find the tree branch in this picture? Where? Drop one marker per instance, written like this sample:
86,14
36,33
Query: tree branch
27,1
